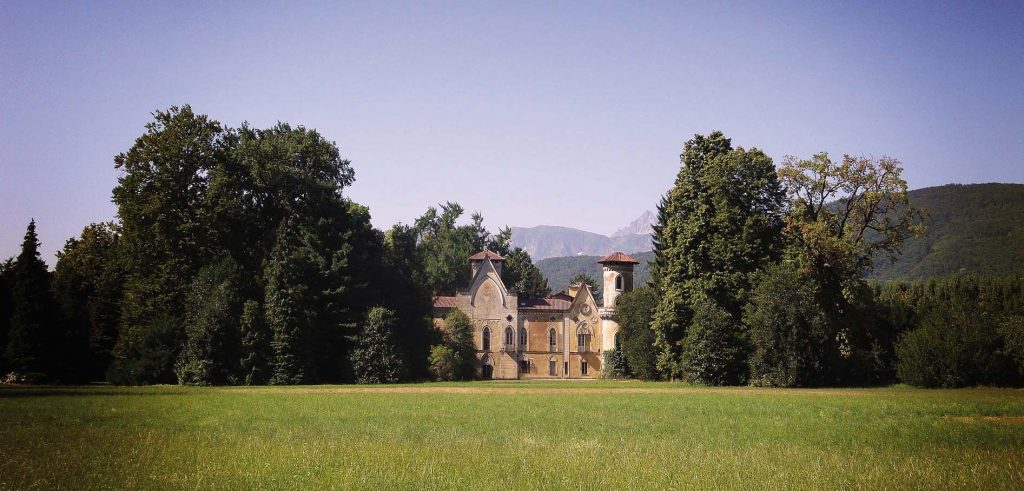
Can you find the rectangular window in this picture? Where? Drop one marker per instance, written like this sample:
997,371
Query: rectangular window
552,367
524,366
583,367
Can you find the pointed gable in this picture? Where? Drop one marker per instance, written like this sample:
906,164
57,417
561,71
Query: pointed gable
487,287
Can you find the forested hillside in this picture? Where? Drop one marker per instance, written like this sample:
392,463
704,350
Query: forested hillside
971,228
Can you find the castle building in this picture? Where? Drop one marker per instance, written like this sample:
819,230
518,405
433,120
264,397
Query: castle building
564,335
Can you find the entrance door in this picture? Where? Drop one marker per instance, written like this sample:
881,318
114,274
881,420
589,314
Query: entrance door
487,369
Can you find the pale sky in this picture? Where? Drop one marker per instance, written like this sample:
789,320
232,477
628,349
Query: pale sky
568,113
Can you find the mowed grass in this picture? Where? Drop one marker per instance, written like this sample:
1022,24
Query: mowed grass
502,435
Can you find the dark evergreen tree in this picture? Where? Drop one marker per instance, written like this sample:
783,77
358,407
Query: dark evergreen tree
290,312
33,338
6,272
377,359
256,351
718,225
212,348
522,277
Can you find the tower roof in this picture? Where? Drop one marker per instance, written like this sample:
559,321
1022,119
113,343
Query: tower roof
618,257
485,254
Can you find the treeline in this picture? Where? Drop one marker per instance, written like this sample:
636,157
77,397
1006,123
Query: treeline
759,278
237,259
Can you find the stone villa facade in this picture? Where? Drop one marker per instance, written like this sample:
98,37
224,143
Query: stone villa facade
564,335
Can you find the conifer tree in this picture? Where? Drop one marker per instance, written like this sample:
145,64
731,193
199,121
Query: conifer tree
32,327
256,353
210,354
377,359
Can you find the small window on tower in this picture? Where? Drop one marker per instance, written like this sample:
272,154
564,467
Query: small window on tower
618,283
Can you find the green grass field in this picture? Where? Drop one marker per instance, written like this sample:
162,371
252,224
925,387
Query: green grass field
522,435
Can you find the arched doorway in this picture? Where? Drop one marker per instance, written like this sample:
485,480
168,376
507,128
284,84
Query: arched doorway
487,368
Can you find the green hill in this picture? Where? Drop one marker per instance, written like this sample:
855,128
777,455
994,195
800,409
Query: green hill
972,228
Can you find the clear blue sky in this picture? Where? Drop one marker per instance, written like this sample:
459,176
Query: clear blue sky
568,113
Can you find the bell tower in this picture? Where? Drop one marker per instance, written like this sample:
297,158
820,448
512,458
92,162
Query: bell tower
617,273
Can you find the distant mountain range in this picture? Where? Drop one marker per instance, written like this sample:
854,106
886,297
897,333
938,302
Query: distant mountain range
972,229
546,241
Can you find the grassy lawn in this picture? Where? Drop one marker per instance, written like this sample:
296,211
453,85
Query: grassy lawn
524,435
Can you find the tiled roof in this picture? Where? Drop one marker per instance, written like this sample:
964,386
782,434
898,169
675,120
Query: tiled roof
618,257
544,304
485,254
561,296
445,302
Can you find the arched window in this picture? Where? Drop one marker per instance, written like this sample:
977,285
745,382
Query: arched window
485,339
552,340
618,282
522,337
509,336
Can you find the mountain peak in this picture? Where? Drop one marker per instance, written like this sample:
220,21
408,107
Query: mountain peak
644,224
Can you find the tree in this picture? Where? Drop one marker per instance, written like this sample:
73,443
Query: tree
715,348
717,226
377,359
634,312
211,352
444,363
522,276
444,248
788,330
256,353
955,346
32,324
842,215
167,233
88,282
459,338
6,271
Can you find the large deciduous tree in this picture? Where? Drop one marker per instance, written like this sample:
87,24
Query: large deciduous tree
167,232
842,216
717,226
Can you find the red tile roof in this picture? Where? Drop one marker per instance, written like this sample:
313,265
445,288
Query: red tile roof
485,254
618,257
544,304
445,302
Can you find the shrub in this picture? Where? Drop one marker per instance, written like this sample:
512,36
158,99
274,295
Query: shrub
715,348
954,347
787,330
444,363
